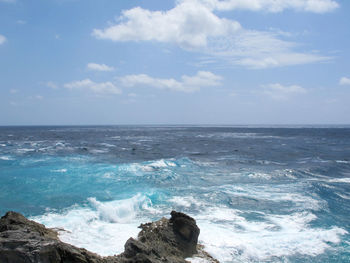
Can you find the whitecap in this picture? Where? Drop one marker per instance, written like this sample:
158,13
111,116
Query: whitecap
184,201
241,240
342,161
339,180
59,171
343,196
98,151
107,145
276,194
260,176
101,227
25,150
6,158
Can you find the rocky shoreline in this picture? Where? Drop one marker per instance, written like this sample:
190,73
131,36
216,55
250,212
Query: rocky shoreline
166,240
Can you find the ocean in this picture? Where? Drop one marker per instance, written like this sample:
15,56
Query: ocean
258,194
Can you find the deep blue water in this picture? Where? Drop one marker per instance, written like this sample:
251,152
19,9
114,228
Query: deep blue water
258,194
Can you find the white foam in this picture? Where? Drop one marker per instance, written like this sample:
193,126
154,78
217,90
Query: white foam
343,196
107,145
340,180
198,260
184,201
148,167
119,211
214,214
102,227
24,150
260,176
241,240
6,158
342,161
162,163
98,151
59,171
276,194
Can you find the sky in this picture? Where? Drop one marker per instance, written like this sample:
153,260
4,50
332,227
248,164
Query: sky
215,62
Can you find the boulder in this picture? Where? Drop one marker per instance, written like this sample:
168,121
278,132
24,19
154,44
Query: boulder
164,240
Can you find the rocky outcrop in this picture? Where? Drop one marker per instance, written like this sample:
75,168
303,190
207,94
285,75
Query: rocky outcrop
166,240
25,241
163,241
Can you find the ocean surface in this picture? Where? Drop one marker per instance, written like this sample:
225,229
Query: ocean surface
258,194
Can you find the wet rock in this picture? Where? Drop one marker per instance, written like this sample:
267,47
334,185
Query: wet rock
25,241
165,240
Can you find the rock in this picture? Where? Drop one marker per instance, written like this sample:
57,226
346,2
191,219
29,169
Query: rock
186,231
25,241
164,240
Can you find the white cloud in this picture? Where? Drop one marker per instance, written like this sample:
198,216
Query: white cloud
259,49
2,39
189,24
99,88
280,92
193,25
273,6
344,81
186,84
99,67
51,85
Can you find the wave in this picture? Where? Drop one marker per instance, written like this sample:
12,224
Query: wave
278,193
6,158
228,234
339,180
243,240
101,227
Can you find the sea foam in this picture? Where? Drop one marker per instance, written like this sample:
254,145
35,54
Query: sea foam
101,227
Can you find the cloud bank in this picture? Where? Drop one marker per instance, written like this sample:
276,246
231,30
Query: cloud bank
186,84
194,26
99,67
280,92
188,24
98,88
273,6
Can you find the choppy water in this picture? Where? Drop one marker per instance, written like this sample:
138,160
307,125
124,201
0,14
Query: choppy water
258,194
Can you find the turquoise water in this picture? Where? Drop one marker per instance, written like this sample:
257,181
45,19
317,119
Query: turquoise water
258,194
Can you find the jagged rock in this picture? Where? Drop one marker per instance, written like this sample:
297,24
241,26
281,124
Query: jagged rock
25,241
164,240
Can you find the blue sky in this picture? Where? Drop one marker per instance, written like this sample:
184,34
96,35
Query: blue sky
174,62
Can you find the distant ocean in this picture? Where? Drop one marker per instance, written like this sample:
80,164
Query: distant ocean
258,194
